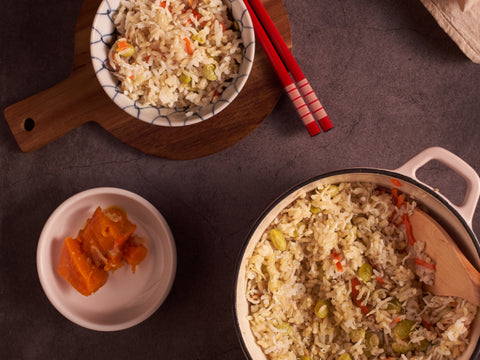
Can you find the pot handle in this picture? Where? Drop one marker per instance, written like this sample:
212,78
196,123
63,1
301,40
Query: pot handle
467,208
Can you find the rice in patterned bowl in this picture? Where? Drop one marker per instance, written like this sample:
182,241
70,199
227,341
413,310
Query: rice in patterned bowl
172,62
330,271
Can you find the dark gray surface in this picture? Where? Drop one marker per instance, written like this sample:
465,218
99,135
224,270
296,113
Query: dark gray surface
391,80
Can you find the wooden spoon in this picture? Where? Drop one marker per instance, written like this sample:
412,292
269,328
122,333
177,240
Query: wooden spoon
454,274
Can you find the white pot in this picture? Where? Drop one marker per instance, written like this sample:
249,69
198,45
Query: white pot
457,220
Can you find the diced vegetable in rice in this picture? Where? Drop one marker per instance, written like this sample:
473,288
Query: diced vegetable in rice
337,276
175,53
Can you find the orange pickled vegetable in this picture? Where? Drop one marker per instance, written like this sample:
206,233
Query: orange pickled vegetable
79,270
104,235
105,243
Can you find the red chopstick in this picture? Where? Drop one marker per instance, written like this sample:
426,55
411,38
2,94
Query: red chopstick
282,72
303,85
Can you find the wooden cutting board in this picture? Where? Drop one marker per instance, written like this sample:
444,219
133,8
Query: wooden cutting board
44,117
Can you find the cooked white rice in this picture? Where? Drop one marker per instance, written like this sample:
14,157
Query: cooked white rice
175,53
329,234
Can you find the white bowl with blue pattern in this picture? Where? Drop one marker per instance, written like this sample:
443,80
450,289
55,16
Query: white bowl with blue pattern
103,35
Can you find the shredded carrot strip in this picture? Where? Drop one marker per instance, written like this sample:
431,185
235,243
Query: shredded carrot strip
395,195
163,4
408,228
392,216
424,263
396,182
196,15
380,280
400,201
338,264
396,320
355,282
189,46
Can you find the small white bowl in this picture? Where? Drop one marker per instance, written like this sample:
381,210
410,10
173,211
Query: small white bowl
126,299
102,37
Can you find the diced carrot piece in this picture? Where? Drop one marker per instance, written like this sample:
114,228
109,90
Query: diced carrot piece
122,45
338,263
188,45
78,269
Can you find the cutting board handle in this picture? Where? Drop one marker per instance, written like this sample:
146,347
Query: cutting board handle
44,117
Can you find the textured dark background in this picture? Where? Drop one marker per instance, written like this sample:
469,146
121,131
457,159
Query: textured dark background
391,80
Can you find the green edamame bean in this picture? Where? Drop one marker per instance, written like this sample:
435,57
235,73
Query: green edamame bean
278,239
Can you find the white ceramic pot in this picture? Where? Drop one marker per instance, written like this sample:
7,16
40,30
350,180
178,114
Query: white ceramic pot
457,220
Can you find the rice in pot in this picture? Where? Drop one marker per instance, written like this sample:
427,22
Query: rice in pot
337,276
175,53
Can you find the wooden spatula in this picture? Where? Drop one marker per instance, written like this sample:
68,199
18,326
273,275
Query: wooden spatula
454,274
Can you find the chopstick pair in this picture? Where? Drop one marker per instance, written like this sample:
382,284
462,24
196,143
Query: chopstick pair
281,59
